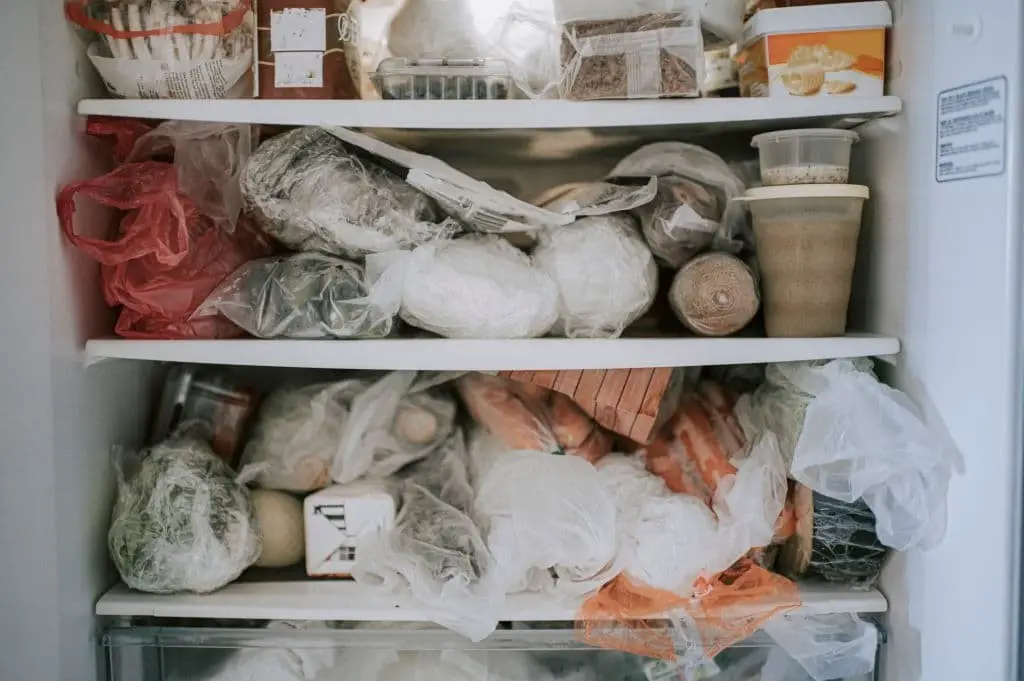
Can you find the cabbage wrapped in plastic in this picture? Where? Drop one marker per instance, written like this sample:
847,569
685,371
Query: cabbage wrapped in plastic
310,192
182,521
474,287
306,295
604,272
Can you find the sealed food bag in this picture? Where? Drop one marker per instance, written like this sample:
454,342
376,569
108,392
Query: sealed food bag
613,49
435,558
175,243
304,295
528,417
201,49
479,286
311,192
549,521
825,647
854,438
182,521
604,272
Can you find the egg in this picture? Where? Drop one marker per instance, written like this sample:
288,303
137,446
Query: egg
279,519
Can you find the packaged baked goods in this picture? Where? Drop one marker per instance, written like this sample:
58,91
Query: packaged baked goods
163,49
618,49
308,49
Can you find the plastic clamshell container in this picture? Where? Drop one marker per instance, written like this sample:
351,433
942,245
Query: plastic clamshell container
807,247
418,79
813,156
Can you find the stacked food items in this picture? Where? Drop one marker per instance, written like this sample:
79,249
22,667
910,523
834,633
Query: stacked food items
451,492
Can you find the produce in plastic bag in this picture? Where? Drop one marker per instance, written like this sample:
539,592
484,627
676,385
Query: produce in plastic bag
604,272
312,193
305,295
164,49
435,556
474,287
182,521
829,646
437,29
166,255
851,438
550,523
528,417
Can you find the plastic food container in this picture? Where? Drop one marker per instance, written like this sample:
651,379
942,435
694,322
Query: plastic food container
400,78
816,51
813,156
806,246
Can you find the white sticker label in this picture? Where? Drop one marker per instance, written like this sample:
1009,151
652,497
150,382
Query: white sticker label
298,69
298,30
971,131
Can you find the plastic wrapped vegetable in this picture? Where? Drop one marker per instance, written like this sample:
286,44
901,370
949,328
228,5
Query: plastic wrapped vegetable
182,521
306,295
605,274
435,555
309,191
473,287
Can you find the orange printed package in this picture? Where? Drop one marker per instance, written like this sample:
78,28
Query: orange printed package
817,51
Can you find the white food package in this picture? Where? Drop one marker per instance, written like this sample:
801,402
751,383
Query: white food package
550,522
852,438
216,78
337,517
478,286
605,275
300,663
825,646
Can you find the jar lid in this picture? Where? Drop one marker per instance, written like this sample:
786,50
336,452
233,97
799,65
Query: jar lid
819,133
808,191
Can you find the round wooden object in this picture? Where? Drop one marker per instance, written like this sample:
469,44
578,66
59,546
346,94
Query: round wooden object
715,294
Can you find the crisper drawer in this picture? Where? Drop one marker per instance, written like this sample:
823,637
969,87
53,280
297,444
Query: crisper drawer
317,651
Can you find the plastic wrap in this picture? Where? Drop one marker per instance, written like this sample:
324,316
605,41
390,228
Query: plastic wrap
182,522
829,646
166,254
855,438
715,294
301,663
605,275
550,523
528,417
202,49
438,29
435,555
309,191
696,205
473,287
306,295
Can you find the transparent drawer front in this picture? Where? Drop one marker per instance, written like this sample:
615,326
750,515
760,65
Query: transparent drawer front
317,651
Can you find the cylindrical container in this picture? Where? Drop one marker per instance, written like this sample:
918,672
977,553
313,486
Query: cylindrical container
806,246
715,294
816,156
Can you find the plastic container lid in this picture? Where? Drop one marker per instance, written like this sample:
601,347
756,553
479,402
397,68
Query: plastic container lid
815,18
807,191
401,66
804,133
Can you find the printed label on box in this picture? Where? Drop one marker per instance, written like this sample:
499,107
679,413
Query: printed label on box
298,69
298,30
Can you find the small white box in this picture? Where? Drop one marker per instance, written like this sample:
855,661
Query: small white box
336,517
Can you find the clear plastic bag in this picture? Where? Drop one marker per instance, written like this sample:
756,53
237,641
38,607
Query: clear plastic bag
605,275
855,438
435,555
305,295
309,191
829,646
182,521
696,206
473,287
299,663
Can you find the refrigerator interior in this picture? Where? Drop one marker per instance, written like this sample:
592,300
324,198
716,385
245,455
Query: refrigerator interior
940,268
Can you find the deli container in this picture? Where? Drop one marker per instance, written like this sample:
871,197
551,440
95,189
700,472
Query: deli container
401,78
814,156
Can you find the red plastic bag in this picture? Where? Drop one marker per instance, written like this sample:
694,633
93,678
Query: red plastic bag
166,256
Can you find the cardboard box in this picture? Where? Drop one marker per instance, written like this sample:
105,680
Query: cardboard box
336,517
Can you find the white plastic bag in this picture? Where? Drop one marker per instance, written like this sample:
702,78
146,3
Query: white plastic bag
546,516
474,287
299,663
860,439
435,555
304,295
605,275
828,646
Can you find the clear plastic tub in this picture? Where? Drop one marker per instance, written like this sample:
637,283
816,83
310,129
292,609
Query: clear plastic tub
400,78
814,156
806,247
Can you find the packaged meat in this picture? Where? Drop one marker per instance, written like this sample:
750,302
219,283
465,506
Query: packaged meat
304,295
338,517
182,520
169,50
605,275
453,79
308,49
312,193
715,294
